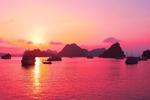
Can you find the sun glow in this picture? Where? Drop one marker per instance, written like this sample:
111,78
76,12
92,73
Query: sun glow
38,36
37,40
36,74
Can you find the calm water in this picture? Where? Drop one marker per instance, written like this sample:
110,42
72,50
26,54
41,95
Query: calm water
75,79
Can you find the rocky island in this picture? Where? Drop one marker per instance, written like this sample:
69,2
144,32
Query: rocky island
73,50
146,54
115,51
6,56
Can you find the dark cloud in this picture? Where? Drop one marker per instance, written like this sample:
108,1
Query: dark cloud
29,42
111,40
21,41
24,41
5,43
56,43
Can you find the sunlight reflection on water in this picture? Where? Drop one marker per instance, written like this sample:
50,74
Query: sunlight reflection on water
75,79
36,73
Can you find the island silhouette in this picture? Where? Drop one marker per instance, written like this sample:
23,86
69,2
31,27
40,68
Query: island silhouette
115,51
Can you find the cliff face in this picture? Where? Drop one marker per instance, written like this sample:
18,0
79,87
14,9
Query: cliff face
115,51
73,50
146,54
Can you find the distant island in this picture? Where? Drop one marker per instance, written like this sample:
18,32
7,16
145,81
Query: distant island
73,50
40,53
97,52
6,56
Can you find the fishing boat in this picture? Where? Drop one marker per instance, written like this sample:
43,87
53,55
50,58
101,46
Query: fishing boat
46,62
54,58
132,60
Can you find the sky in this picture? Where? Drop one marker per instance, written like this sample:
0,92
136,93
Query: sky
53,23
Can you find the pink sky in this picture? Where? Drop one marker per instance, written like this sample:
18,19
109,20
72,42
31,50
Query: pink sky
85,22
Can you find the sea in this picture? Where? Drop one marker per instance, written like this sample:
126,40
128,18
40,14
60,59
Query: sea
75,79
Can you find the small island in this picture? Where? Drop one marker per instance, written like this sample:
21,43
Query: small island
6,56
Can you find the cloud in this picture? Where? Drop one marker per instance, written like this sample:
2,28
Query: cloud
111,40
6,22
29,42
24,41
6,46
4,43
1,41
55,43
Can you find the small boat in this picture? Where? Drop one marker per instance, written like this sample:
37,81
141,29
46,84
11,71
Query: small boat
132,60
54,58
6,56
47,62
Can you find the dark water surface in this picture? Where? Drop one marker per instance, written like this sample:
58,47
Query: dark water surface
75,79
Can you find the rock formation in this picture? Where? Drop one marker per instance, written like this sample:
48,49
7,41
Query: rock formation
146,54
28,59
115,51
39,53
73,50
6,56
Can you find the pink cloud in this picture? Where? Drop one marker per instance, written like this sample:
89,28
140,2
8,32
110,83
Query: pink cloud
4,43
7,47
93,46
111,40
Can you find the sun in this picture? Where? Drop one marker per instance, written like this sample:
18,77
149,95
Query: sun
37,40
38,37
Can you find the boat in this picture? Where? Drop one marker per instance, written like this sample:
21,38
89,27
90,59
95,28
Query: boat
46,62
28,60
6,56
132,60
54,58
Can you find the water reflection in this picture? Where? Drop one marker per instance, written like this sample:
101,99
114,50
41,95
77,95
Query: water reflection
98,79
36,76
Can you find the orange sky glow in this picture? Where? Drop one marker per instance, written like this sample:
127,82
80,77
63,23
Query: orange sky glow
41,23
